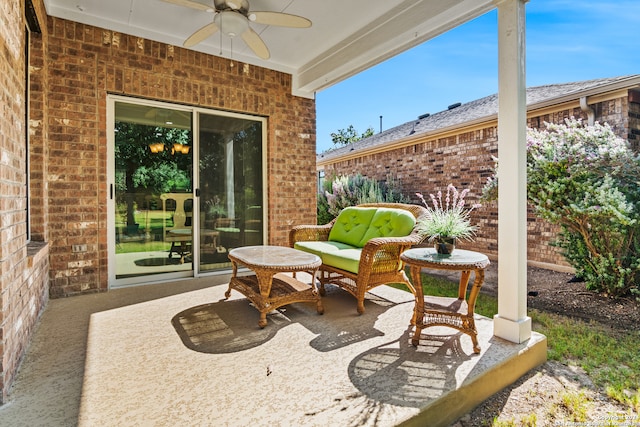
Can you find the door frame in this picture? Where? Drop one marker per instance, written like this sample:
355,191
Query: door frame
194,272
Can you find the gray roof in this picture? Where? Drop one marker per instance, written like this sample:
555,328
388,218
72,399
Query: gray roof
472,111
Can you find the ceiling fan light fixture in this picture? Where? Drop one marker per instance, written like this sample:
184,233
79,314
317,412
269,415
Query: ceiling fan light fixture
180,148
231,23
233,18
156,147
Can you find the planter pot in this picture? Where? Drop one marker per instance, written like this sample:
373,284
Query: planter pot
445,246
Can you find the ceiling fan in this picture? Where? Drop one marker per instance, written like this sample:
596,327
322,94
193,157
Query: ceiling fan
232,18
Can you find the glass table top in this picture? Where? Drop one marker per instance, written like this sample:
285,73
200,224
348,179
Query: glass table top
458,257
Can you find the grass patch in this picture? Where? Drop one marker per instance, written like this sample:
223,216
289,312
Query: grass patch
608,356
530,420
131,247
148,237
575,403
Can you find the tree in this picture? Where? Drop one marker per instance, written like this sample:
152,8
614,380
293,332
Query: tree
349,135
585,179
139,170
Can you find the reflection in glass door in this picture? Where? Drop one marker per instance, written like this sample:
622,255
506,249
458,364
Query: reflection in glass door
167,218
153,190
231,186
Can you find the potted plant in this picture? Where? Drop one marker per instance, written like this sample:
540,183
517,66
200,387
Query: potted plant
447,221
214,209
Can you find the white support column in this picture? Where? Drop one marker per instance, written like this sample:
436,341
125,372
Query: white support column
229,178
512,322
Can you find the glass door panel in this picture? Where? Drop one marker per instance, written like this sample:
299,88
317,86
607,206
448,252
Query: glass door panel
231,187
169,218
154,200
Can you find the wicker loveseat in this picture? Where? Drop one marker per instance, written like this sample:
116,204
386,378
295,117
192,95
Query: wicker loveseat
360,249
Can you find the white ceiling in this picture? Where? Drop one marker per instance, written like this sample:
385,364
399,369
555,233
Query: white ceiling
347,36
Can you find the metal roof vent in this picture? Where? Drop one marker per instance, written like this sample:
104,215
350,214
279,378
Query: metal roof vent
424,116
452,106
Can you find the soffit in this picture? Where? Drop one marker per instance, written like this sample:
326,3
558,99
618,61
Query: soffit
347,36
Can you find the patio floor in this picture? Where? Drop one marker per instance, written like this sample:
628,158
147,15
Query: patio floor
178,354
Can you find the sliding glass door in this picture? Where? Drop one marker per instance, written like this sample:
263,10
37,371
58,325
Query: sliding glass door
231,187
186,185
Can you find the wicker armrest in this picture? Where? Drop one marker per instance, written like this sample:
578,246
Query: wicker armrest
305,233
382,254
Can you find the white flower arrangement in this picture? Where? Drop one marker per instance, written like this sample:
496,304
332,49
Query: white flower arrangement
448,219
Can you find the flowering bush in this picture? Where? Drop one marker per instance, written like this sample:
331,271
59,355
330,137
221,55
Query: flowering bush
448,219
350,190
586,180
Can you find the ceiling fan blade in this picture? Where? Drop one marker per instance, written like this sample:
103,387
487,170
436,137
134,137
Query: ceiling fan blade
253,40
201,34
192,5
280,19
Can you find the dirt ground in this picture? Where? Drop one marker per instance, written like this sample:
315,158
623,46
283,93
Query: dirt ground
536,399
553,292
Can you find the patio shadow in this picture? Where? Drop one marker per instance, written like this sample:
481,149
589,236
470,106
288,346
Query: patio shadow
229,326
399,374
225,327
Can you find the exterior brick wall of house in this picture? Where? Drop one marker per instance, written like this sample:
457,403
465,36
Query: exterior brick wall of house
465,160
86,64
24,273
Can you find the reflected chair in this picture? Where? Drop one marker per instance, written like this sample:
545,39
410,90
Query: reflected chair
180,233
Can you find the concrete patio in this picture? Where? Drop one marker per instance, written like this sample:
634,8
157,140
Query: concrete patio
178,354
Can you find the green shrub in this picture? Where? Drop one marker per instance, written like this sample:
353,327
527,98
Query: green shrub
324,216
350,190
587,180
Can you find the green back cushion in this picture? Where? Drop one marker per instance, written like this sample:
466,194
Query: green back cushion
351,225
389,222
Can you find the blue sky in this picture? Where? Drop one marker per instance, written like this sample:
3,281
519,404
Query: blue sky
567,41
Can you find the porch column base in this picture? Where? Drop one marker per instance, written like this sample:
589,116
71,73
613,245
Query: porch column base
517,331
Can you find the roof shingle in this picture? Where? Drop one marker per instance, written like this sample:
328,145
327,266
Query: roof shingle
471,111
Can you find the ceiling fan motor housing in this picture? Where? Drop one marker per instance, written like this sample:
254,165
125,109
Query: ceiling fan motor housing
233,19
241,6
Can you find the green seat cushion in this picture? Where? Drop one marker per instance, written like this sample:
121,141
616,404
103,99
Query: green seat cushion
335,254
389,222
351,225
322,247
346,259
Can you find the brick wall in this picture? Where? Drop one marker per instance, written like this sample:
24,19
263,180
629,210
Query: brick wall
24,274
87,63
465,160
